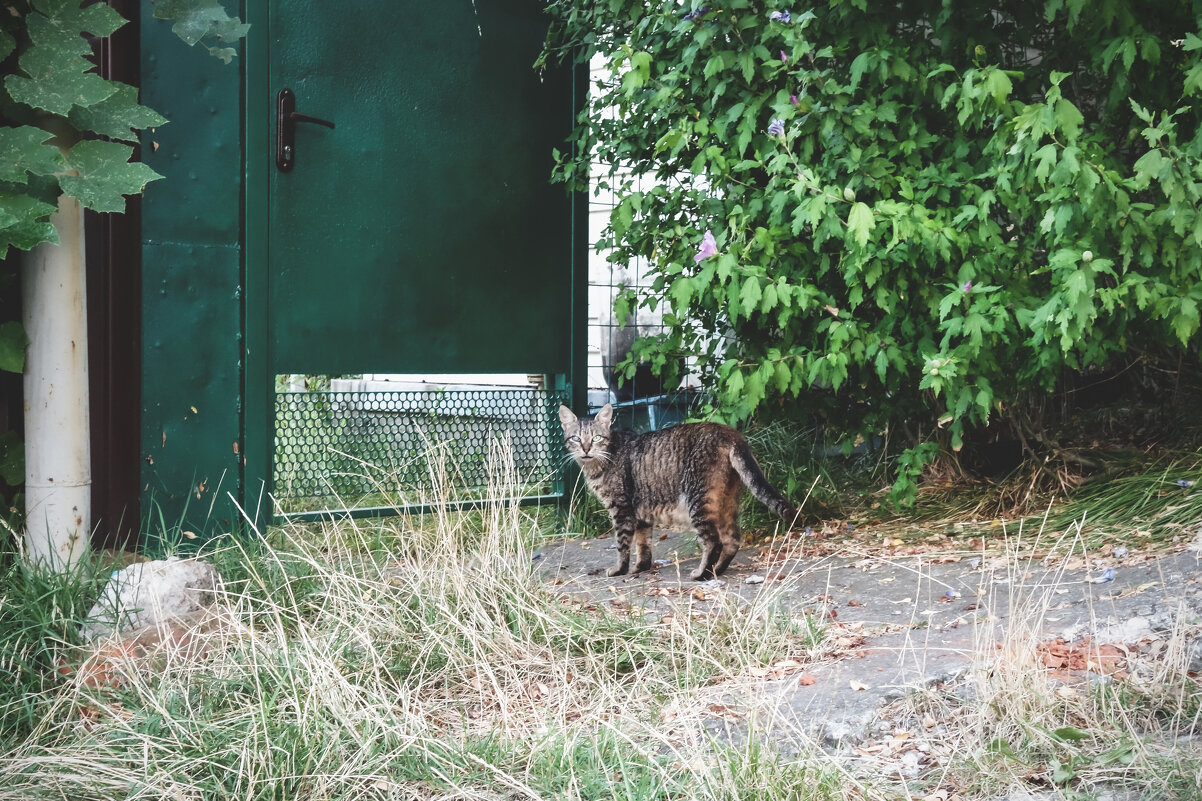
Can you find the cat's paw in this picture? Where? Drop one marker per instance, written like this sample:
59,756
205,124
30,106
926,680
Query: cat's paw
702,574
618,570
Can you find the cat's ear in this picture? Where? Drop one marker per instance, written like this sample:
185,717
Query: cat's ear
566,418
605,417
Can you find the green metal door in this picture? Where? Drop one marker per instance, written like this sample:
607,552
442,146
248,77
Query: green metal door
420,233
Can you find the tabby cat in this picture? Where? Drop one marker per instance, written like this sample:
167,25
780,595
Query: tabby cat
688,475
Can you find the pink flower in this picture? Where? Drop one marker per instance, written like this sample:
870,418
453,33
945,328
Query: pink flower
793,99
784,59
708,247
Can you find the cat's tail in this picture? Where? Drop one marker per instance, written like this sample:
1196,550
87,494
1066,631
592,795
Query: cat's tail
744,463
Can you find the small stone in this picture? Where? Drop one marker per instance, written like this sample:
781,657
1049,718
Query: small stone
754,580
152,594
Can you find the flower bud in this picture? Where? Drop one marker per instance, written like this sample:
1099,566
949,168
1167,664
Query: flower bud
849,194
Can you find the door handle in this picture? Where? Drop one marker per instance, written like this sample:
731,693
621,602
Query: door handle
286,118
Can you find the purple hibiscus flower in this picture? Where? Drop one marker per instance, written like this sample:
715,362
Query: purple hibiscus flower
708,247
776,128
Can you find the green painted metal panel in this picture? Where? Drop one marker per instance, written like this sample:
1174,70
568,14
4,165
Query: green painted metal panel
191,420
422,233
191,286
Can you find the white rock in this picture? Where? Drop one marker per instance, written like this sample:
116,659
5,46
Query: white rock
152,593
754,580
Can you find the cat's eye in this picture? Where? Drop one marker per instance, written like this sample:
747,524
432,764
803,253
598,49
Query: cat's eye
597,437
573,439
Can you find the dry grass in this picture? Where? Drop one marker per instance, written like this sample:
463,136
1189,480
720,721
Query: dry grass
423,658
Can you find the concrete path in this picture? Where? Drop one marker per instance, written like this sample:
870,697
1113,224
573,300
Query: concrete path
906,621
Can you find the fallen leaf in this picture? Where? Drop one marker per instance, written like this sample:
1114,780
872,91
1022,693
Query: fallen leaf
857,685
806,680
854,602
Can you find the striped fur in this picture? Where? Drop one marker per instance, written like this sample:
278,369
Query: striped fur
689,475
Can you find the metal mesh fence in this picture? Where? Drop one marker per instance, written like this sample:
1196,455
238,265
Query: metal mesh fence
387,449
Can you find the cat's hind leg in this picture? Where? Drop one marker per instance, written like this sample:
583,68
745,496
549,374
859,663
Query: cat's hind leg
726,521
728,539
711,549
642,546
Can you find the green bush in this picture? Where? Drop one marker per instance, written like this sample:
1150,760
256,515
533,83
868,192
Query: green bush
924,215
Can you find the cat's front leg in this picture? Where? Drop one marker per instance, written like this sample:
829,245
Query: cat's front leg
624,534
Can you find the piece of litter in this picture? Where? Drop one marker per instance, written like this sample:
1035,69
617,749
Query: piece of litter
610,547
662,562
1184,482
536,557
713,584
1107,575
1121,552
974,563
754,580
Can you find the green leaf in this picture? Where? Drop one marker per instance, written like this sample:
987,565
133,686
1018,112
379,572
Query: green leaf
1001,746
24,222
1061,773
1070,734
65,21
860,222
12,347
858,67
1069,118
197,19
23,150
57,80
117,116
7,44
999,85
1185,322
750,295
224,54
105,175
681,292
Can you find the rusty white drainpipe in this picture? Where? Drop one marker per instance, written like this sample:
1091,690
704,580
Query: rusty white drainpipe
58,471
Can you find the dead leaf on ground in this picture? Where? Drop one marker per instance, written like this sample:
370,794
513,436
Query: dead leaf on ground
723,711
806,680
